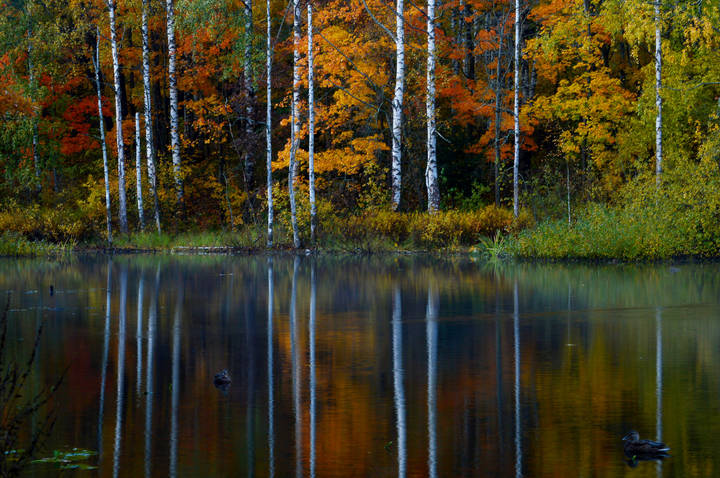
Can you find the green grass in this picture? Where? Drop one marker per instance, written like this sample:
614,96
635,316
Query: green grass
604,233
15,245
246,238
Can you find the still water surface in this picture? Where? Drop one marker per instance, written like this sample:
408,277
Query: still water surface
381,366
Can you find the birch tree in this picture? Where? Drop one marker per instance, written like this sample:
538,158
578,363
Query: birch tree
118,120
516,110
431,175
397,104
96,65
149,147
33,90
172,81
268,126
249,94
311,127
138,173
658,97
295,126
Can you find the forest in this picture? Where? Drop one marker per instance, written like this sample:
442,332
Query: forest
543,128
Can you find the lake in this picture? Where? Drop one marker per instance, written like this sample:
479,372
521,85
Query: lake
397,365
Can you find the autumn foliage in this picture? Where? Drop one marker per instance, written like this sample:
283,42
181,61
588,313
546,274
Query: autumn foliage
587,104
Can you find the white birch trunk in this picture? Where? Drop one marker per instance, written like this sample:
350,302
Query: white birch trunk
397,104
516,110
431,174
118,121
35,135
174,131
295,127
268,126
149,148
658,97
96,64
311,127
249,94
138,173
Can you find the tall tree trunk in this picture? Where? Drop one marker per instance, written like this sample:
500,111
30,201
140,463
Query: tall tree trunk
96,65
138,173
268,126
467,26
295,127
516,110
397,104
311,127
118,121
431,174
658,96
174,132
249,159
149,145
498,114
456,25
35,119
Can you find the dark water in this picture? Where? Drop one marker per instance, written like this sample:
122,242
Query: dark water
384,366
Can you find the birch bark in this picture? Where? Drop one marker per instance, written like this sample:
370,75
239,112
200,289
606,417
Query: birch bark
249,95
268,126
172,80
397,104
311,127
138,173
516,110
96,64
118,121
149,145
294,130
658,97
35,134
431,175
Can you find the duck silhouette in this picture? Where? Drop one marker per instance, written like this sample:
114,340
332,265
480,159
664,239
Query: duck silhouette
222,379
637,449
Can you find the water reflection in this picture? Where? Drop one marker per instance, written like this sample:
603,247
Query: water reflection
400,366
150,373
431,340
103,368
271,395
398,380
516,349
658,382
175,386
120,369
313,384
296,377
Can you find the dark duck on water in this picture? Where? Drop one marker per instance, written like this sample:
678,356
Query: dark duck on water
222,379
637,449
